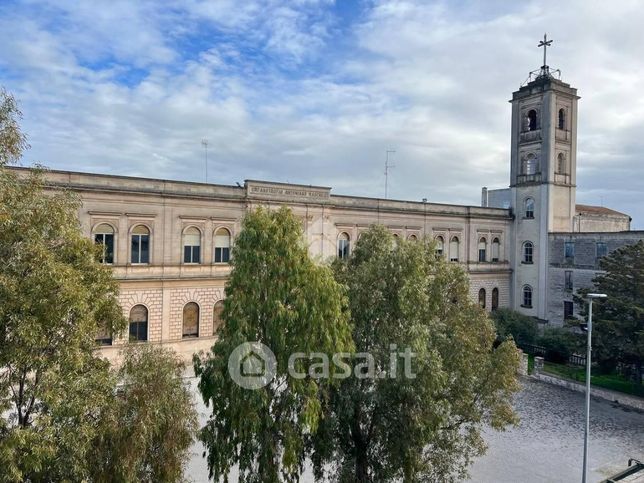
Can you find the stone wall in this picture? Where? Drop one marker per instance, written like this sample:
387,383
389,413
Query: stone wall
584,266
152,299
608,395
205,297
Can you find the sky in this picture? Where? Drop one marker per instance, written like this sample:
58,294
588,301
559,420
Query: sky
316,91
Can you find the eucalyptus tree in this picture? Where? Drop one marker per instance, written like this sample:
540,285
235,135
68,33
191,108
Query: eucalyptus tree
277,296
58,400
419,423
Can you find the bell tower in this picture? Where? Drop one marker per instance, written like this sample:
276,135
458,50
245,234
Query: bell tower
542,178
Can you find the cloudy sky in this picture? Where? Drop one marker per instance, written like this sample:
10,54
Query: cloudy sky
316,92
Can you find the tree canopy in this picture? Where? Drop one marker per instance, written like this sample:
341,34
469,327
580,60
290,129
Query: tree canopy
12,141
148,428
426,428
618,320
58,399
510,323
278,296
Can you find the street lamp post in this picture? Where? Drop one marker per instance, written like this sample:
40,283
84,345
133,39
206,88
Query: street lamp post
591,297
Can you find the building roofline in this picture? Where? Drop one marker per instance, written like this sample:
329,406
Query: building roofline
119,176
622,232
237,192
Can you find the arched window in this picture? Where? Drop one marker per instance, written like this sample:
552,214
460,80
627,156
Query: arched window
104,235
440,245
192,245
532,120
412,238
343,246
529,208
528,252
561,163
562,119
222,246
190,320
527,296
496,250
495,298
140,244
482,298
453,249
482,250
139,323
217,320
530,164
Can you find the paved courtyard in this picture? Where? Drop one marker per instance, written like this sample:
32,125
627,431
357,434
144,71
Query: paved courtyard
547,445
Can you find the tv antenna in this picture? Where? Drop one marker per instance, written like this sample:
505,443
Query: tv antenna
387,167
204,143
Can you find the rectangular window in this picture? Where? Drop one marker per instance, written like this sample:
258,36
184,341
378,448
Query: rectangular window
568,280
191,254
145,249
569,251
481,254
602,250
140,249
222,254
107,240
568,310
138,331
103,337
495,250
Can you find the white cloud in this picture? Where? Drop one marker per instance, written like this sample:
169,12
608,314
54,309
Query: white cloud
295,93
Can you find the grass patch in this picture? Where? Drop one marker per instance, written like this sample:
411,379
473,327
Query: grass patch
614,382
530,364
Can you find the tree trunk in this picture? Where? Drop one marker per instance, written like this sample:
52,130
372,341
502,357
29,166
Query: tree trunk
362,465
360,445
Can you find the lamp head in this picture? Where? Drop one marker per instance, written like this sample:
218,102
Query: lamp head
596,295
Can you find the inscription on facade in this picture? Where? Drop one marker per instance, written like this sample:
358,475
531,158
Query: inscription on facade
278,191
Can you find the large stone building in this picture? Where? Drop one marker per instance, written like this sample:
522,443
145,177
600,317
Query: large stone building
170,242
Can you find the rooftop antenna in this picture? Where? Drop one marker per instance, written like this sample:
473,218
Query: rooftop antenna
204,143
387,166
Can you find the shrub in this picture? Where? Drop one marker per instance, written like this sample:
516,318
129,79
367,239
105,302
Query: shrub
522,328
560,343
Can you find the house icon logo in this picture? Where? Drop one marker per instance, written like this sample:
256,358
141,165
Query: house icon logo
252,365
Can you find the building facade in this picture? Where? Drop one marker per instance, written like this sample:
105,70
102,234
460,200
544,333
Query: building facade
170,242
574,263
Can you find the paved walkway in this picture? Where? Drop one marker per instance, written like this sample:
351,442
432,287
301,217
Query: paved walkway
547,446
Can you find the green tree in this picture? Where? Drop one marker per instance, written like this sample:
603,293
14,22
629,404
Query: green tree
560,343
58,405
618,320
147,430
277,296
510,323
54,296
12,141
426,428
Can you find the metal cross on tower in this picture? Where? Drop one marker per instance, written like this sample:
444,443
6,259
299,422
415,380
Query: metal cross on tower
545,43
